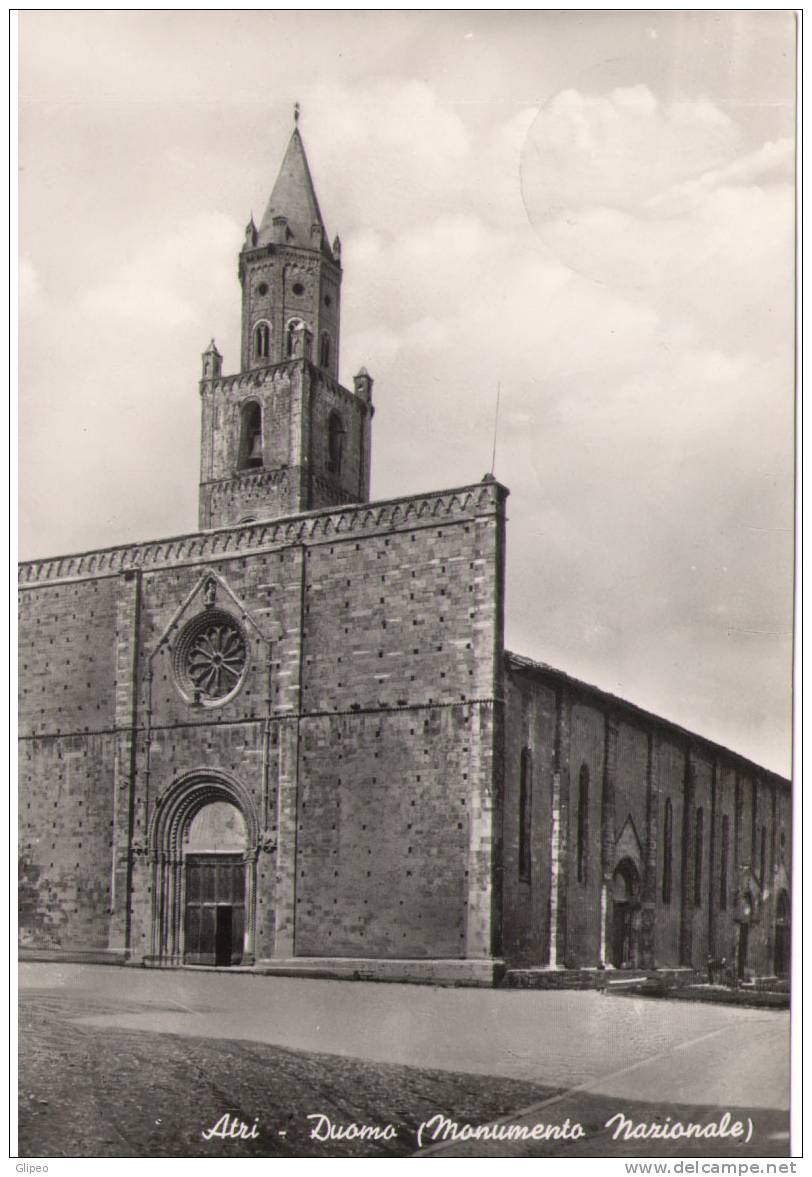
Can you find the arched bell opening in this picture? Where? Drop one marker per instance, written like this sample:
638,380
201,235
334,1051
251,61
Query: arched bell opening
335,442
625,915
204,840
262,340
250,444
293,326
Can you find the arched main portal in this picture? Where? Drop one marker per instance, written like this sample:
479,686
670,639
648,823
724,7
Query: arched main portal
783,936
203,842
625,917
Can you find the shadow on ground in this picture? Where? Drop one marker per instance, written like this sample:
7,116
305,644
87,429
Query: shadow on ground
87,1091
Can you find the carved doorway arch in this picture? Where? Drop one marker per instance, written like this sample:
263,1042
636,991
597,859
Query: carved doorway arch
169,831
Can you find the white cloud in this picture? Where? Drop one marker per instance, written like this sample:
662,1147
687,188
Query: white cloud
772,163
161,286
619,150
30,288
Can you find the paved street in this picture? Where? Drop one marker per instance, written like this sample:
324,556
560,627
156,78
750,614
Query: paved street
579,1049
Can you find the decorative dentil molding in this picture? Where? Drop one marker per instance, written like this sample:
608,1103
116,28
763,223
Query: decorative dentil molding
486,498
245,383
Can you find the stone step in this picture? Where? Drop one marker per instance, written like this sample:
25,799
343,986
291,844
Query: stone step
610,980
541,978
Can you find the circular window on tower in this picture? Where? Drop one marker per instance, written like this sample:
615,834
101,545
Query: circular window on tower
298,289
262,288
210,660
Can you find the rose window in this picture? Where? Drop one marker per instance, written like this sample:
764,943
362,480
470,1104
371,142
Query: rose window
210,658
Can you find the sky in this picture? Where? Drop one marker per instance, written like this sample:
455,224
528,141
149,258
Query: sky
590,212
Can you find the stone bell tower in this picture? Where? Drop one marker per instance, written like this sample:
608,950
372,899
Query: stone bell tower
283,436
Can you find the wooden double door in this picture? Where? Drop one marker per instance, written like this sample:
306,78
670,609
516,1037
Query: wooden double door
214,922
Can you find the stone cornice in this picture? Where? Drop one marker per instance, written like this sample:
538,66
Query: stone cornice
347,394
252,379
443,506
339,495
256,253
255,378
256,478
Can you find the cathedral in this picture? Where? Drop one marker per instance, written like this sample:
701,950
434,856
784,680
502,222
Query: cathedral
292,741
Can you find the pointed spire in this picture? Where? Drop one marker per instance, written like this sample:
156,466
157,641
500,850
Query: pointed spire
293,204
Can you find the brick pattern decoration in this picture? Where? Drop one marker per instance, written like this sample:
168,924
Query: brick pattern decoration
66,653
384,820
66,835
67,763
402,618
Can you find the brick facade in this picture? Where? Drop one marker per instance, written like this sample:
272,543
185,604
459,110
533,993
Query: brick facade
367,712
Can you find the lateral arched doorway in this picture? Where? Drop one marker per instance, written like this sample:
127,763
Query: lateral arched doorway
203,840
625,914
783,937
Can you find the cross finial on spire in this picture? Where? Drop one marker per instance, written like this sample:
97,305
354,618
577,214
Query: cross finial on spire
297,110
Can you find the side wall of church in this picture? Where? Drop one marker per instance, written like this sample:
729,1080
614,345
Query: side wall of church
608,783
669,888
530,716
584,885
